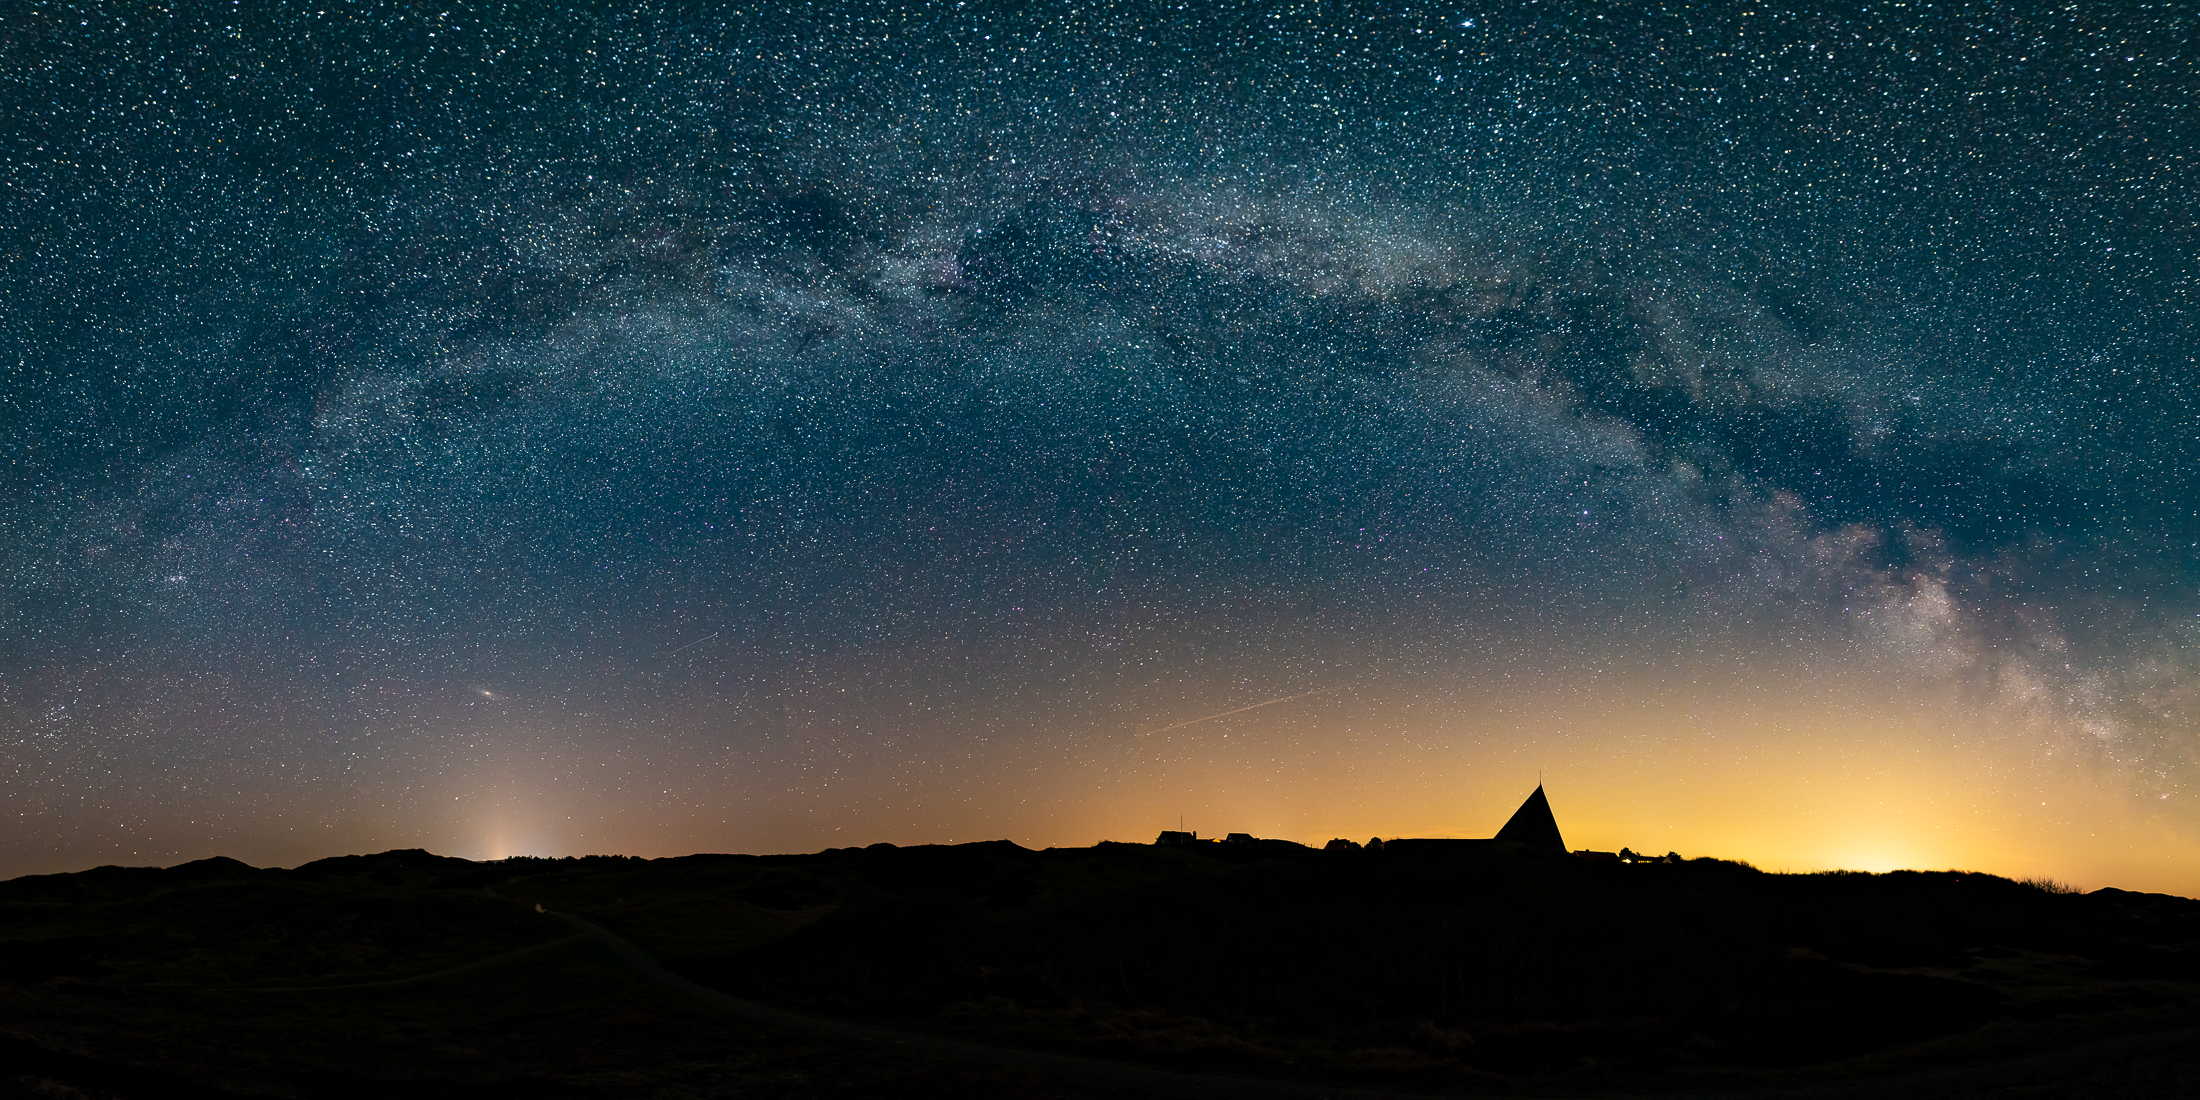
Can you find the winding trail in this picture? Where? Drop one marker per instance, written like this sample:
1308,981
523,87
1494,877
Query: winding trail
1121,1073
1922,1086
431,976
1928,1085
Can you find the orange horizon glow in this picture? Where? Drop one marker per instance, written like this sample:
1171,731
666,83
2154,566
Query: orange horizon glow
1793,773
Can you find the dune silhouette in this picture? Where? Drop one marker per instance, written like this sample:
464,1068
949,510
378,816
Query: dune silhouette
991,969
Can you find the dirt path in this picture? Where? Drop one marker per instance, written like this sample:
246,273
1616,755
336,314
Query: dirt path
1969,1080
2017,1075
1155,1081
431,976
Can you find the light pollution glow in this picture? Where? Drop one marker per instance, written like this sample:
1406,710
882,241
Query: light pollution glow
1792,772
959,422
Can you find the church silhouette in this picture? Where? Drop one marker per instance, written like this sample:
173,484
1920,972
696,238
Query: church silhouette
1533,825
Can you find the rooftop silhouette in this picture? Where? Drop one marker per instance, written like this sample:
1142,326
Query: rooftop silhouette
1533,825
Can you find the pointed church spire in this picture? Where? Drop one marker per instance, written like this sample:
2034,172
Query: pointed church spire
1533,824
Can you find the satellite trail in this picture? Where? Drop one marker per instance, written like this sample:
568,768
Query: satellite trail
693,644
1240,710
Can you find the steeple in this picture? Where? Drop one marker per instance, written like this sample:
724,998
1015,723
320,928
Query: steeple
1532,824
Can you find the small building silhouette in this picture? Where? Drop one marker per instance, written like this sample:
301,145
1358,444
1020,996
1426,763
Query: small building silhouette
1533,825
1628,855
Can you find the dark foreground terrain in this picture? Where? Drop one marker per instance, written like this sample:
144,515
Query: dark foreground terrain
988,970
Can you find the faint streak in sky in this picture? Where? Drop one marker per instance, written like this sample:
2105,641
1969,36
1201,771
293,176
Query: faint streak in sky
1240,710
693,644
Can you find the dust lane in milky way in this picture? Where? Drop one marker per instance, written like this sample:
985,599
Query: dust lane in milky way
507,432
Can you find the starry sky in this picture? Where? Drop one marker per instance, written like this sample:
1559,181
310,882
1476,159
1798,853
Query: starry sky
511,429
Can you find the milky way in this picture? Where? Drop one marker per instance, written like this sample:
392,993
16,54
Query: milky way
502,431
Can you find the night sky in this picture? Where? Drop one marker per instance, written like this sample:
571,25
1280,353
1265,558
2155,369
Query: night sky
504,430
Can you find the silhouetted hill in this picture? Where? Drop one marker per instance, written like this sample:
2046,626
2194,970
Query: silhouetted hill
1449,967
1437,961
398,867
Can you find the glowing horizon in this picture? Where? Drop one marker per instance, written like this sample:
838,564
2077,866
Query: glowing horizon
1877,783
1038,422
